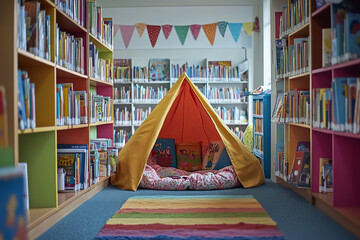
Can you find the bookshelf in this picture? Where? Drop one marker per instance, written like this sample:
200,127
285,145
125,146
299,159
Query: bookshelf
262,130
132,89
326,139
38,146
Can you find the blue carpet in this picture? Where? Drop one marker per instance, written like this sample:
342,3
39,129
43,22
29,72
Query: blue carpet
296,218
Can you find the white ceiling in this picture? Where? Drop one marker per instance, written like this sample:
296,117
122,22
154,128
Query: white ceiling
159,3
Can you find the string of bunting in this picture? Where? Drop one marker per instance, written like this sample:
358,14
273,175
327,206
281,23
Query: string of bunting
182,30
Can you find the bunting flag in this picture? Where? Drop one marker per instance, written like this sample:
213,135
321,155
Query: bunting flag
248,27
235,29
182,32
222,27
140,27
195,30
116,29
153,31
210,31
127,32
166,30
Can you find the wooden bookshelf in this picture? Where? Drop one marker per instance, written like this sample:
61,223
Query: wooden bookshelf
38,146
343,204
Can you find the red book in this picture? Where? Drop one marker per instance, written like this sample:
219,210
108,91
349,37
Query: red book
277,24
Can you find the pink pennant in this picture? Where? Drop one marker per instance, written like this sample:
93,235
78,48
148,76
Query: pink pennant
127,32
153,32
167,30
195,29
116,29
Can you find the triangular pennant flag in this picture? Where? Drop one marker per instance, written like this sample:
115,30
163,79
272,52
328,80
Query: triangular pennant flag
166,30
127,32
195,29
248,27
116,29
210,31
222,27
153,32
140,27
235,29
182,32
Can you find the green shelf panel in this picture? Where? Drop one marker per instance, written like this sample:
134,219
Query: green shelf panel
38,150
7,157
93,132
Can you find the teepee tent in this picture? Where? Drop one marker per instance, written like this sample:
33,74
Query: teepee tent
185,115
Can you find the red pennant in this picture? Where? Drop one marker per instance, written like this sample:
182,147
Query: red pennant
153,32
195,30
167,30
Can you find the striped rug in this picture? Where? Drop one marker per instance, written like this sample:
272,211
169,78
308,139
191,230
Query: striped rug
191,217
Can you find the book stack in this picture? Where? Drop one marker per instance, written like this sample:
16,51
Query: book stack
122,95
344,21
295,15
34,29
99,68
26,101
71,106
141,74
121,137
232,115
74,9
122,70
122,117
101,108
69,51
148,94
338,107
74,159
140,114
195,73
101,28
222,95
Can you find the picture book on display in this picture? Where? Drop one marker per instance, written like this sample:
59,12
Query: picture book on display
70,163
325,163
159,69
300,172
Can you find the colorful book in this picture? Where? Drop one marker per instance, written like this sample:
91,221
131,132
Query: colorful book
326,47
70,163
32,9
159,69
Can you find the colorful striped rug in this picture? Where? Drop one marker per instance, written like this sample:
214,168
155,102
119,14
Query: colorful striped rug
191,217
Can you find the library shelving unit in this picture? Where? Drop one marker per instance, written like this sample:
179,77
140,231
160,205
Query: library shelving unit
343,203
132,89
38,146
262,130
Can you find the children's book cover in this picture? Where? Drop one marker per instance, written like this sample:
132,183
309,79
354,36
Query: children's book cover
159,69
322,163
69,162
304,177
328,177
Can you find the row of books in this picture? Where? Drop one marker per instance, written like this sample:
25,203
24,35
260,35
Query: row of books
122,116
232,114
293,106
101,108
258,107
239,133
325,175
71,106
300,173
226,93
69,51
338,107
141,92
140,114
293,59
294,15
26,101
99,68
258,125
34,29
122,73
121,137
141,73
101,28
192,71
74,9
258,144
122,94
344,21
219,73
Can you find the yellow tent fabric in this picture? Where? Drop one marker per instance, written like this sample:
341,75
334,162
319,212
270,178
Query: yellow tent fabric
133,157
